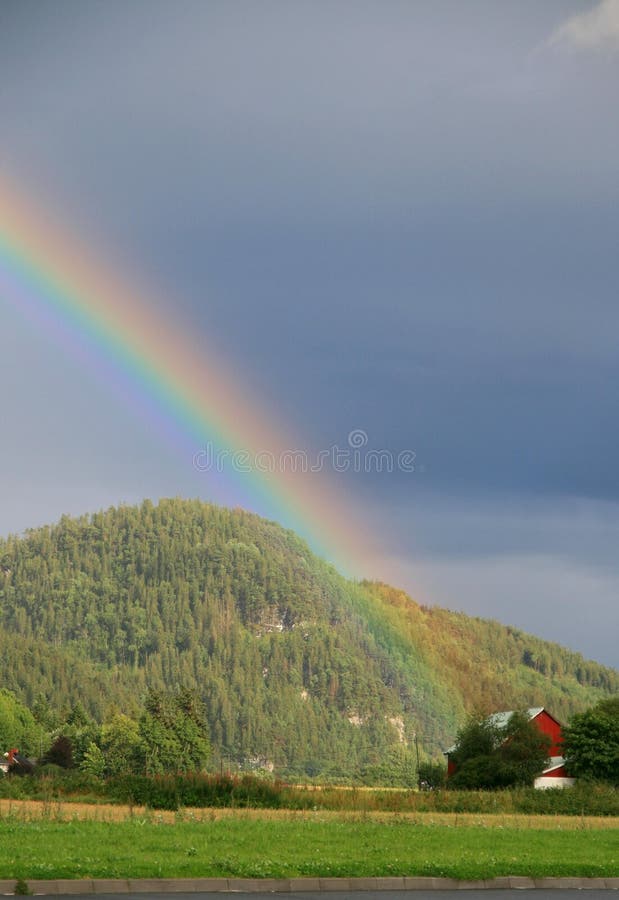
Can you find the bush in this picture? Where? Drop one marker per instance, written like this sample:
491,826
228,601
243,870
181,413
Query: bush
199,790
60,753
53,782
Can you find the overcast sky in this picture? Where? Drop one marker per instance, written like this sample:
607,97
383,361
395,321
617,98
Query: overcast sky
400,217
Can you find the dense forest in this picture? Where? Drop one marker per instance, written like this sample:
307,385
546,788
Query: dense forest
296,667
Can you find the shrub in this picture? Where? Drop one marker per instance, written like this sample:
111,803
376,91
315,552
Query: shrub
175,791
60,753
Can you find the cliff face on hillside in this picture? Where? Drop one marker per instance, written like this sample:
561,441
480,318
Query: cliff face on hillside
297,665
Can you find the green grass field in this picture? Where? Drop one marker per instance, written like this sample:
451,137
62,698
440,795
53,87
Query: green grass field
310,845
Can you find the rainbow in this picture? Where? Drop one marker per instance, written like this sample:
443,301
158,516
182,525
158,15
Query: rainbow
108,323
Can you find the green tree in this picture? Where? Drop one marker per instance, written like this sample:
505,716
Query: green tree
81,731
492,753
524,749
18,727
47,717
161,749
478,737
93,762
591,742
122,746
173,733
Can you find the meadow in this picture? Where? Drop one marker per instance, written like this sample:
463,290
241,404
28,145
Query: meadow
59,840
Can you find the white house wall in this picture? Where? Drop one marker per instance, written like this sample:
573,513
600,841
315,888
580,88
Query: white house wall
543,783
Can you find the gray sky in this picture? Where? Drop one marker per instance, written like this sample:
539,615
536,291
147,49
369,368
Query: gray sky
398,217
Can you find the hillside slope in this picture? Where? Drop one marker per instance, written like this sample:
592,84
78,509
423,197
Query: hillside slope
296,664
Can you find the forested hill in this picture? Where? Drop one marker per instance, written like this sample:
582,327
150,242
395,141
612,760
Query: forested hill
296,664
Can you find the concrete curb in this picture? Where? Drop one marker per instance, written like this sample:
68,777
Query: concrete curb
289,885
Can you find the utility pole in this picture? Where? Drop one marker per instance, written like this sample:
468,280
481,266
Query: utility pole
417,752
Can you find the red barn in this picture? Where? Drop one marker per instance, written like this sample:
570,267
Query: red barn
554,775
